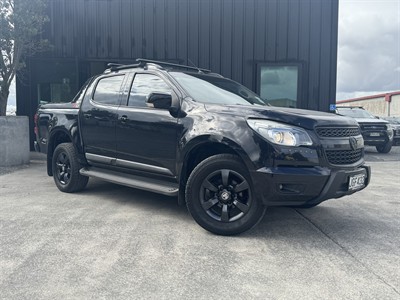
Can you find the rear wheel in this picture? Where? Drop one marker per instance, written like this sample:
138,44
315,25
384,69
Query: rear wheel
220,196
385,148
66,168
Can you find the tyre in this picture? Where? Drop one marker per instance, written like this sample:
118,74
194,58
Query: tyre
220,196
66,168
385,148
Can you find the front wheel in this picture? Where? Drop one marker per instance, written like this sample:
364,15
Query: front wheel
220,196
385,148
66,168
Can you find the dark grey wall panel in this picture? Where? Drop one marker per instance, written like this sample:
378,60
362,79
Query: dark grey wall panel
282,30
260,29
148,32
333,46
304,49
159,29
271,42
228,36
183,30
238,42
171,28
325,62
193,32
216,36
205,33
136,20
250,41
293,30
315,54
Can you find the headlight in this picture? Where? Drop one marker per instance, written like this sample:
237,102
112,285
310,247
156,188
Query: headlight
280,134
390,131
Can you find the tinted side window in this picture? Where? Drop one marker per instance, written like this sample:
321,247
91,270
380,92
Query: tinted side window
143,85
107,90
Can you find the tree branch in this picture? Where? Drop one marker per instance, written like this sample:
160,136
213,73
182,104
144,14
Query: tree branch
11,3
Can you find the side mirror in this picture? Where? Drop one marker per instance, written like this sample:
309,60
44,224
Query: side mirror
159,100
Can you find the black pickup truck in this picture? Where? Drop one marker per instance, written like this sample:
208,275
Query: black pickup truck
375,131
207,140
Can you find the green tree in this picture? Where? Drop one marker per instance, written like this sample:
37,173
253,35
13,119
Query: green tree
21,25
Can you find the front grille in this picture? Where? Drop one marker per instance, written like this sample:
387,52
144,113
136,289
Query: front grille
344,157
331,132
371,127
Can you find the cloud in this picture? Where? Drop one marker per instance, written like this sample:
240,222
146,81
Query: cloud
369,47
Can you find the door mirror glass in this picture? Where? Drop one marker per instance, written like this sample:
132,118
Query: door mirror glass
159,100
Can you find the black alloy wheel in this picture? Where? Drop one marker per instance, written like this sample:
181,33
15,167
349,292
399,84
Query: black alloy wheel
66,166
225,195
220,196
63,168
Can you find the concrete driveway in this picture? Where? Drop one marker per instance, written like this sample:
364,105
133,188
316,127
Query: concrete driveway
113,242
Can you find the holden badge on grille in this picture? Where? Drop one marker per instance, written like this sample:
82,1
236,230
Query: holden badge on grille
353,143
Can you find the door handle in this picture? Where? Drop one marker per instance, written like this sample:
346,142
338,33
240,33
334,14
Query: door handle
87,116
123,119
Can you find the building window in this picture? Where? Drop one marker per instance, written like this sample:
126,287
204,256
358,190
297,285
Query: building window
279,84
54,81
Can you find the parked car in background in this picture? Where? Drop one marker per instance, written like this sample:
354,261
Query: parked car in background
376,132
395,123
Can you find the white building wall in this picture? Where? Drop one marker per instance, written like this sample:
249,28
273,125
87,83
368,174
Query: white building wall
395,106
377,106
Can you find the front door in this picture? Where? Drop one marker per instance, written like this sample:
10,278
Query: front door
146,137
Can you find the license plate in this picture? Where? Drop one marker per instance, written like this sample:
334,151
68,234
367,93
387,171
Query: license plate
374,134
356,182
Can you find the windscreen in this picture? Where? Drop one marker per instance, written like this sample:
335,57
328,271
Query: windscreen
355,113
217,90
392,120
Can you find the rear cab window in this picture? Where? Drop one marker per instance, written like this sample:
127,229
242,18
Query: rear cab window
108,89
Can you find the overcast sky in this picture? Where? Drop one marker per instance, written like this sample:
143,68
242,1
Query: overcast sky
369,47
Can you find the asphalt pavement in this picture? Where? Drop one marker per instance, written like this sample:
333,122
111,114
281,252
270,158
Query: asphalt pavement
114,242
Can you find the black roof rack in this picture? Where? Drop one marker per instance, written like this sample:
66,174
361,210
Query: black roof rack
114,66
172,65
143,62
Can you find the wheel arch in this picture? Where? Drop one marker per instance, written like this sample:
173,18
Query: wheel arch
57,137
203,147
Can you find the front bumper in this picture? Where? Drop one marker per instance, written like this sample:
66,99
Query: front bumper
396,140
376,140
284,186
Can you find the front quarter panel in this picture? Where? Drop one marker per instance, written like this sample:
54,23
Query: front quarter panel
202,126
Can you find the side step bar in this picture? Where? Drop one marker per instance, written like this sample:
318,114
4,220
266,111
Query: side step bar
147,184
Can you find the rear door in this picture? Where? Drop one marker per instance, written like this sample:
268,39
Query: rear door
146,136
98,116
